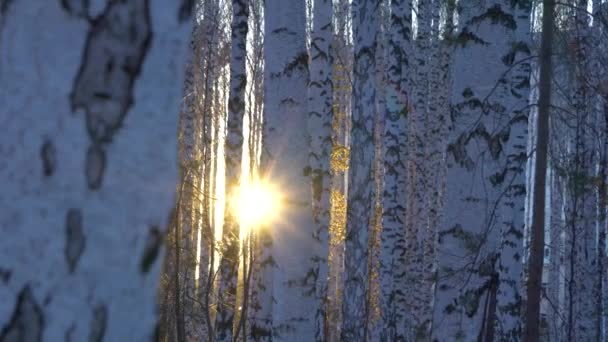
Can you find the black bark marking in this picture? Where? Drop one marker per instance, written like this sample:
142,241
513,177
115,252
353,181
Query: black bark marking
75,239
78,8
27,321
185,10
151,249
69,332
98,323
95,166
115,49
5,275
121,35
4,4
48,154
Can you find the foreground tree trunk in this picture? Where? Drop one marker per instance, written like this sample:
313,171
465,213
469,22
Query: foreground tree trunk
90,112
480,238
360,174
285,165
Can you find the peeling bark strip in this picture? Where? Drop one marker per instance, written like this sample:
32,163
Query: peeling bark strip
116,46
27,321
75,238
48,155
99,323
151,249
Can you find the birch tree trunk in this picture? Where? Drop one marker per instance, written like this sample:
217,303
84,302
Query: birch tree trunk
320,117
361,181
286,165
392,253
484,195
508,324
233,156
342,91
418,167
90,112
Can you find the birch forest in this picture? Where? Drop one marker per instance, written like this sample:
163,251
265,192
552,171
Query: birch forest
303,170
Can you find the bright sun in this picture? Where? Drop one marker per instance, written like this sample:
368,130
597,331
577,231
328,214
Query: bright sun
257,203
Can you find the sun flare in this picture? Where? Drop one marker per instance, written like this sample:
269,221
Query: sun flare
257,203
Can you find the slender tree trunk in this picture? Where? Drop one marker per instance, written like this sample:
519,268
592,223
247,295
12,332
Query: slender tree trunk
234,153
537,241
418,291
392,261
320,98
361,181
84,138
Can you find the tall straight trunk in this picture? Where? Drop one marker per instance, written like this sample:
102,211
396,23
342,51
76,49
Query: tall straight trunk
417,291
78,126
537,239
258,325
603,226
508,324
360,176
554,273
285,164
392,253
482,223
320,98
342,90
186,205
601,222
234,154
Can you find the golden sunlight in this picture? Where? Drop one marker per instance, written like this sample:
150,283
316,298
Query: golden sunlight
257,203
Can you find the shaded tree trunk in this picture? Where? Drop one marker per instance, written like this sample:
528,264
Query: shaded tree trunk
392,261
320,98
77,205
361,177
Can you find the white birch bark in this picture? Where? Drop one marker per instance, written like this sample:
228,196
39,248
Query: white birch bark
233,156
417,292
484,196
90,112
508,323
320,117
342,91
285,163
361,182
392,253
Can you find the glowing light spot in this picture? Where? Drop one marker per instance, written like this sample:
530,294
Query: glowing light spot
257,203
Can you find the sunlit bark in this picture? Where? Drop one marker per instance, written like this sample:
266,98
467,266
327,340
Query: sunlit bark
233,155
